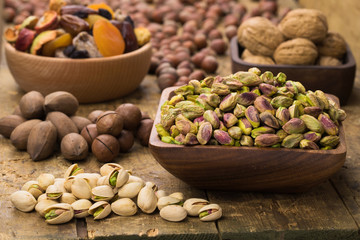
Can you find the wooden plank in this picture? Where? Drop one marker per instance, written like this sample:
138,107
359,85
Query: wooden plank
317,214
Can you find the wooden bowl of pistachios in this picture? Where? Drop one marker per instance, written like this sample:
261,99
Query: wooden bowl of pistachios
230,168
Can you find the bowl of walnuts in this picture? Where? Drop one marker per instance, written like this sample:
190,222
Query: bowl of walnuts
90,51
299,46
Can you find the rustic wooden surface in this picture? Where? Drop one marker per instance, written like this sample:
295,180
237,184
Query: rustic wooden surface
328,211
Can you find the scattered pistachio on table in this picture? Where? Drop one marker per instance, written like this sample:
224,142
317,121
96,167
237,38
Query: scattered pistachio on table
250,109
115,189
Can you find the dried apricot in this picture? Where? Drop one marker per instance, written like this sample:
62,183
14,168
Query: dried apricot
11,34
108,38
59,42
143,35
97,6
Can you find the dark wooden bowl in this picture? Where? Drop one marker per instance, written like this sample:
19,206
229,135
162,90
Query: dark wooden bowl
337,80
246,168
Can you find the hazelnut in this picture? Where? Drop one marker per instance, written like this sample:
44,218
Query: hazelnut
231,20
126,141
183,80
94,115
89,133
219,46
186,64
131,115
197,74
144,130
105,147
190,45
230,31
209,64
187,36
144,115
110,122
74,147
154,63
182,56
166,80
161,66
183,72
198,58
200,40
214,34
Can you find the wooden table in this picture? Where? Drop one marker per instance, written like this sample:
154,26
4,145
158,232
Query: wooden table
329,211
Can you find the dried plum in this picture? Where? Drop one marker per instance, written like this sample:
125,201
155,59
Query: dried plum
105,13
69,50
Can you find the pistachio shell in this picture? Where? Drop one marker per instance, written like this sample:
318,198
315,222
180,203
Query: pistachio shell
42,197
214,210
23,201
102,193
68,182
42,205
130,190
81,208
193,205
33,188
109,167
64,217
81,188
104,213
92,178
53,192
160,193
101,181
45,180
178,195
133,178
59,182
147,199
124,207
121,179
167,200
173,213
71,170
67,198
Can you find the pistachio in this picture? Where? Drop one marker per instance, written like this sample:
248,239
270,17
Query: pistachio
235,132
174,131
267,89
322,98
294,111
268,78
58,213
205,132
190,139
168,200
230,120
269,120
173,213
292,87
178,195
45,180
81,188
101,181
307,144
34,188
292,140
247,78
246,141
207,82
175,99
210,212
81,208
245,89
192,111
266,140
282,134
147,199
262,130
246,98
222,126
220,89
233,84
42,205
193,205
313,111
239,111
53,192
109,167
330,141
229,102
253,116
312,136
59,183
223,138
212,118
313,100
245,126
202,103
180,138
283,115
23,201
185,90
294,125
280,78
211,99
130,189
117,178
303,99
160,193
281,101
124,207
73,170
168,117
263,105
185,126
100,210
312,123
328,125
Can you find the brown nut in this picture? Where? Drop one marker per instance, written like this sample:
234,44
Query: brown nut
197,75
131,115
230,31
304,23
198,58
126,140
42,140
80,122
105,147
9,123
333,45
209,64
32,105
200,40
94,115
260,36
74,147
19,136
109,122
144,130
257,59
63,124
89,133
166,80
298,51
61,101
329,61
219,46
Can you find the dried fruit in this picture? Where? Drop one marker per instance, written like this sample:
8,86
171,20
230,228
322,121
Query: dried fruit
48,21
108,38
41,39
24,39
73,24
59,42
143,35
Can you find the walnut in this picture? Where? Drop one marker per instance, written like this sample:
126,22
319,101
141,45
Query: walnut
328,61
304,23
246,53
298,51
260,36
257,59
333,45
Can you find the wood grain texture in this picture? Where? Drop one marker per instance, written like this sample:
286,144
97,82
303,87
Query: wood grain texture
90,80
246,168
337,80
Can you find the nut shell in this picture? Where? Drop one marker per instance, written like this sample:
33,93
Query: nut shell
212,216
61,101
131,115
81,208
109,122
80,122
23,201
173,213
124,207
193,205
108,167
32,105
74,147
298,51
42,205
104,213
20,134
105,147
9,123
257,59
105,192
304,23
45,180
260,36
130,190
64,125
333,45
71,169
62,218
